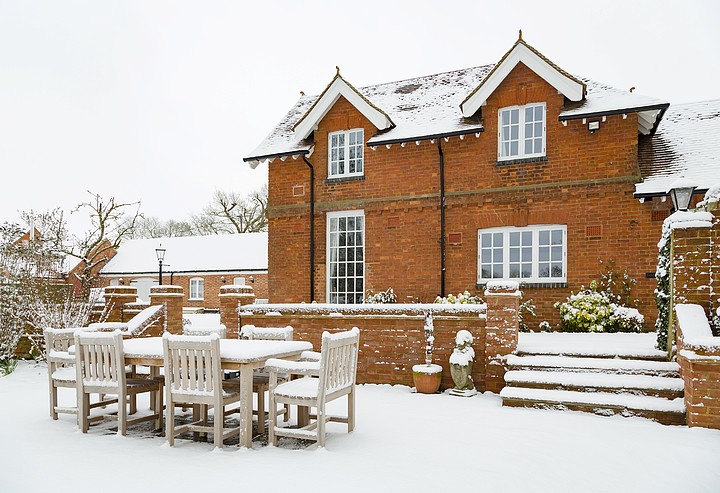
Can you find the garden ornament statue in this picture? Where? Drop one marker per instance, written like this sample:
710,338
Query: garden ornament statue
461,362
427,377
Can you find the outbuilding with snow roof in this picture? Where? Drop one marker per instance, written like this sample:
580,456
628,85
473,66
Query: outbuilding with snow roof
200,264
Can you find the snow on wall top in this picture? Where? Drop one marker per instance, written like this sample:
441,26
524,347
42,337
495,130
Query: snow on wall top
686,144
247,251
430,105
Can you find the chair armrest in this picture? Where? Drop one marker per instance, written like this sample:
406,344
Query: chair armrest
275,365
310,356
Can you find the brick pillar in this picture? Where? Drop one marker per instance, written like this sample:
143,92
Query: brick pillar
115,298
231,298
172,298
503,305
692,266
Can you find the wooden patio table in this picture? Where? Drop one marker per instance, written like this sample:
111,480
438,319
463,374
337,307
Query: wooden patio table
235,354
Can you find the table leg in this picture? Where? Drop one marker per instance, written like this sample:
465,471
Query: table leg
303,416
246,392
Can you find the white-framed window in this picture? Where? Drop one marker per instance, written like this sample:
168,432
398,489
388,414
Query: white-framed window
197,288
239,281
521,131
345,153
531,254
346,257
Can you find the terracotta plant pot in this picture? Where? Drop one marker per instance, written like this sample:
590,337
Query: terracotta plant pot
427,378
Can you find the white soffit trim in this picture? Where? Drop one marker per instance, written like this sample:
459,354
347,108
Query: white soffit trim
565,85
340,88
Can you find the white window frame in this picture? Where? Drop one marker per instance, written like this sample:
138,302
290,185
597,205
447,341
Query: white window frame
346,150
328,262
535,277
521,132
198,281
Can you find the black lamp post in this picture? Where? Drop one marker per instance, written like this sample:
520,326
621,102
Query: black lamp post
681,192
160,252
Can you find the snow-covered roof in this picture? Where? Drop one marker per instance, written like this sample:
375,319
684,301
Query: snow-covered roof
428,106
216,253
687,143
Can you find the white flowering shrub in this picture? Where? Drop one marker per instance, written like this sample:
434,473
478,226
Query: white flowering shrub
464,298
387,296
591,310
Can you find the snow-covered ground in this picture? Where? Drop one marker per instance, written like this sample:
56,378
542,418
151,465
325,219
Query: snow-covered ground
402,442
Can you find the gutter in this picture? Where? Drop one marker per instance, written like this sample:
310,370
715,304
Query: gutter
312,228
442,217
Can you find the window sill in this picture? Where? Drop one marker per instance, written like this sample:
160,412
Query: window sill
196,299
538,159
343,179
530,285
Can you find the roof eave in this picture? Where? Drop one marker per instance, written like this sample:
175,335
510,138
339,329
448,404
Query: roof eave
404,140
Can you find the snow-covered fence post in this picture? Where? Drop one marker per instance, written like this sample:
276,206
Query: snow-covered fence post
232,297
115,299
501,336
172,298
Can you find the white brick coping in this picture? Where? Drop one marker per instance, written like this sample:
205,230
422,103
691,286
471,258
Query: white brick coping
410,309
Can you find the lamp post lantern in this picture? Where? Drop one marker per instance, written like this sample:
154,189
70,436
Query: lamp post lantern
681,192
160,252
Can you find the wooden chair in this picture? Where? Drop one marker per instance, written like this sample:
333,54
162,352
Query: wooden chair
261,378
326,380
100,368
61,369
193,376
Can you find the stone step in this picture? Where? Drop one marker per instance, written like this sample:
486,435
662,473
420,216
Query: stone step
593,354
665,411
595,365
665,387
620,345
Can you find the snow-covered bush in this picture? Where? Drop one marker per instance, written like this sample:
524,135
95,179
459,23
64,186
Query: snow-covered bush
464,297
429,329
591,310
662,291
526,311
545,326
387,296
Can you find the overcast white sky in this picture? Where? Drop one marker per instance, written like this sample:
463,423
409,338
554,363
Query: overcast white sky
159,101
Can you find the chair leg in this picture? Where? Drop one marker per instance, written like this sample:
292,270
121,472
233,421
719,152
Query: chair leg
261,408
321,426
170,420
158,406
272,419
122,413
218,426
53,400
351,411
83,410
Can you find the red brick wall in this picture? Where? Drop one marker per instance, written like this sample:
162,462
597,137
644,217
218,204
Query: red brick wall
213,283
587,180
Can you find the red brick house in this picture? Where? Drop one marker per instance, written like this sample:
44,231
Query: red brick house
435,185
199,264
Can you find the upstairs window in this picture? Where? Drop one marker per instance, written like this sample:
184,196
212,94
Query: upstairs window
535,254
345,153
521,132
197,288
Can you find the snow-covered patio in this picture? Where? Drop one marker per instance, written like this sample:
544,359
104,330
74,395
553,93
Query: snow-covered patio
402,442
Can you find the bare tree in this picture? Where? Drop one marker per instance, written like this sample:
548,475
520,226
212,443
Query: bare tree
230,212
153,227
111,221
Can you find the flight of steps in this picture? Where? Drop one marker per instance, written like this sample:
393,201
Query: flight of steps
626,384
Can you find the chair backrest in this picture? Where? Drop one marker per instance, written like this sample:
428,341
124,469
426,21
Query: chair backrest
192,364
220,330
266,333
338,361
57,342
99,360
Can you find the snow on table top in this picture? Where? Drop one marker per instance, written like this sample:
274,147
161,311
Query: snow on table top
685,144
233,350
591,363
627,345
615,381
639,402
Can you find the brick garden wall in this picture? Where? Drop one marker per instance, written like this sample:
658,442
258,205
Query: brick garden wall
696,262
586,183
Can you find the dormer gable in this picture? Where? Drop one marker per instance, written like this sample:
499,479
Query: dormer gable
521,52
339,87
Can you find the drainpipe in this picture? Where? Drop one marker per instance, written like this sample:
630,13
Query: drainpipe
312,228
442,216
